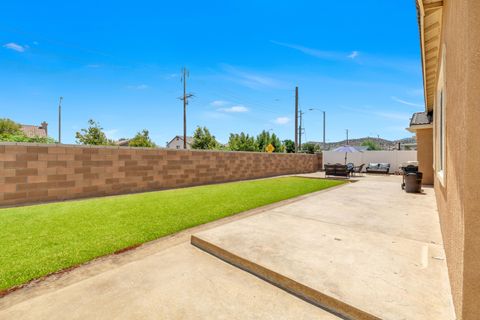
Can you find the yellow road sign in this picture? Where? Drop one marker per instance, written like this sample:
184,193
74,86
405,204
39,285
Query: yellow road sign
270,148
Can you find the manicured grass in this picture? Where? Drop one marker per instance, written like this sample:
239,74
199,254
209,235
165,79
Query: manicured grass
41,239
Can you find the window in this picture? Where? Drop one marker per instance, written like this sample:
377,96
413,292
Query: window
440,123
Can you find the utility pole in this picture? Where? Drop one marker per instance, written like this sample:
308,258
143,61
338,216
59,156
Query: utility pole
296,119
347,135
300,130
60,120
185,75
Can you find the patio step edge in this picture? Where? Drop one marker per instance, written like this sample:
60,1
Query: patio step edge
298,289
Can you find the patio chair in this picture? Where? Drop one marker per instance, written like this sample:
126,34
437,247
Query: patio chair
350,167
342,171
330,169
358,169
336,170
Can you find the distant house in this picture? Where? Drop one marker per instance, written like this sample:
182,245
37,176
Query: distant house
122,142
32,131
177,143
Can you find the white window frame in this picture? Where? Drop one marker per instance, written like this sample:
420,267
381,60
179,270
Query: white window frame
440,123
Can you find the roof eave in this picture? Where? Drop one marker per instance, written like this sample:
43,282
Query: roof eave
414,128
430,34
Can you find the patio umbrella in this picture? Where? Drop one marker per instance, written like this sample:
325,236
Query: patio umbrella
346,149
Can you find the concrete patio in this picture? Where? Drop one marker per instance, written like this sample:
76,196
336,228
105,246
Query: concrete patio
364,250
367,250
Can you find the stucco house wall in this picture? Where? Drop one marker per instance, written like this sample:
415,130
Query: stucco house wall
425,154
458,193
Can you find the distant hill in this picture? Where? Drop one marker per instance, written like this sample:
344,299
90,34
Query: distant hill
409,143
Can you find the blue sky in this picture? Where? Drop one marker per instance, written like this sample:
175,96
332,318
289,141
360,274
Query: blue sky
119,63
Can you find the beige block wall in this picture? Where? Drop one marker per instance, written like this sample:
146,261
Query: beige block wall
38,173
458,198
425,154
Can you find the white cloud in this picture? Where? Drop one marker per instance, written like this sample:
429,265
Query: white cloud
139,87
322,54
407,102
353,55
15,47
234,109
219,103
282,120
309,51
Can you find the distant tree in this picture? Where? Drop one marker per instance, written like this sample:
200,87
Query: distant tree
93,135
9,127
371,145
277,143
242,142
310,147
203,139
265,138
142,139
11,131
289,146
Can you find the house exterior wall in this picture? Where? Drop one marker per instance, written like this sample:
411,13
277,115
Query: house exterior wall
177,143
32,173
458,193
425,154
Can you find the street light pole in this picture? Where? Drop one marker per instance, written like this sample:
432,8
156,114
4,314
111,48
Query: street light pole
324,144
300,131
324,121
60,120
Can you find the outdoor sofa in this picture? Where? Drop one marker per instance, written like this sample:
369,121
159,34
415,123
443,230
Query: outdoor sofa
378,168
338,170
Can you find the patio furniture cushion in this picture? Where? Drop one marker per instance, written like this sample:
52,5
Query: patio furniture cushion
378,167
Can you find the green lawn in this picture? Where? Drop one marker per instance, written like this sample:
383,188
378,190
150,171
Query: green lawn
41,239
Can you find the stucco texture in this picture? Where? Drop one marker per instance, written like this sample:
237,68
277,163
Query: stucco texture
458,197
425,154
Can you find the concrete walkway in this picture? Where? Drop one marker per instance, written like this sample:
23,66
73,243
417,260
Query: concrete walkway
365,250
178,283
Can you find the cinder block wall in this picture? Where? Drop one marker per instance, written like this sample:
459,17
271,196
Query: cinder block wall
31,173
